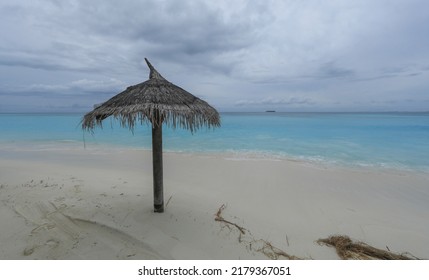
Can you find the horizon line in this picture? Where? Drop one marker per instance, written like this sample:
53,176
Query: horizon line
249,112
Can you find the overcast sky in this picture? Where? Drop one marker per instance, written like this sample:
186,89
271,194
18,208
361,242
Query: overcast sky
291,55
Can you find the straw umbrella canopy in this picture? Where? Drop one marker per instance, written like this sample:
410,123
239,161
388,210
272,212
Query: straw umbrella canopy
155,101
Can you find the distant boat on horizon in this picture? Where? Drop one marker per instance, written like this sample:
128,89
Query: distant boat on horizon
270,111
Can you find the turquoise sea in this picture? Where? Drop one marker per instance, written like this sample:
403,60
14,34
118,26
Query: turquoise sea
385,140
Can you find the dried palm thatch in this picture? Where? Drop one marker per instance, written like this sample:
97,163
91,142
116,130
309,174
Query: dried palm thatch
156,101
350,250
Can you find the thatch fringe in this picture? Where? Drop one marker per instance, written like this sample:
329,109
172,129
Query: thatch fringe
351,250
173,116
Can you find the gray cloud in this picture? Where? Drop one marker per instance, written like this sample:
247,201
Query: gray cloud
330,70
334,52
174,31
75,88
33,60
395,72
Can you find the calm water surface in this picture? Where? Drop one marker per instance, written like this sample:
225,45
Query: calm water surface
391,140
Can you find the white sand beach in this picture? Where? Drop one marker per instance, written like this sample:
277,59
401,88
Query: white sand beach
97,204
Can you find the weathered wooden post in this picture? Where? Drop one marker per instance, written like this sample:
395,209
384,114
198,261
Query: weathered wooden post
158,188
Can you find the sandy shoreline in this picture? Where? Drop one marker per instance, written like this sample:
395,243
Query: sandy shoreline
97,204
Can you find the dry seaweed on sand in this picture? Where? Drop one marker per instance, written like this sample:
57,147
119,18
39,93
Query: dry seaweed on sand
260,245
348,249
219,218
273,252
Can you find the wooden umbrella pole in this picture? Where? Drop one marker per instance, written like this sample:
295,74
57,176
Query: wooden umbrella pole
155,100
158,188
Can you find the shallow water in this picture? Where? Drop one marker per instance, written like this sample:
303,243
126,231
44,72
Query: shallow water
390,140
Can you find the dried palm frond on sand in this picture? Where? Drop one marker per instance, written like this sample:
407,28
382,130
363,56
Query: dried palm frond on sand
351,250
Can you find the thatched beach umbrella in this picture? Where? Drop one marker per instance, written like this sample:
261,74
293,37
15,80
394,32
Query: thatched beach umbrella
156,101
